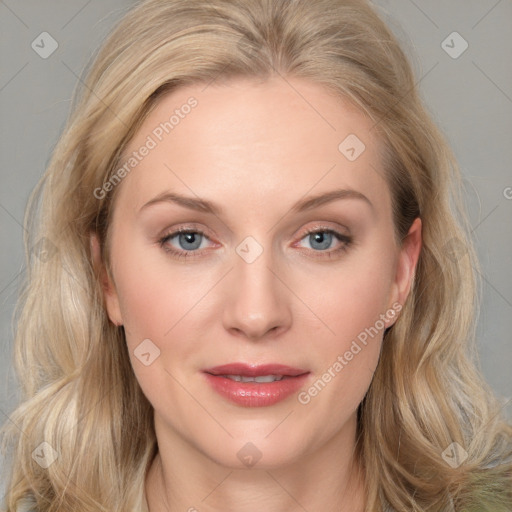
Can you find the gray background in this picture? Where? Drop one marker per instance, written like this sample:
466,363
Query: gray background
470,97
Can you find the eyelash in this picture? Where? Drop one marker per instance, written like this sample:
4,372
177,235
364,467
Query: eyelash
345,239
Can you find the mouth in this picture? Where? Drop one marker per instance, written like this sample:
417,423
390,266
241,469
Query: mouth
255,385
259,378
249,371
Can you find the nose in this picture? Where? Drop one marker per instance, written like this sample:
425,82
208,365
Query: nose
258,302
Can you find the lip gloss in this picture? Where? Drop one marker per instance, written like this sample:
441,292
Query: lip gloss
256,394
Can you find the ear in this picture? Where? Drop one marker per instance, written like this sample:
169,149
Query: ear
406,264
107,285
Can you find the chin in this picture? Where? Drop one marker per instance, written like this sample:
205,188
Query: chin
256,453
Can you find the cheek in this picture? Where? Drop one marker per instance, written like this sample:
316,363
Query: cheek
157,306
351,303
162,301
154,294
352,296
146,306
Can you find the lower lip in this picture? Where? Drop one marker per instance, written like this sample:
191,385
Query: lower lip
256,394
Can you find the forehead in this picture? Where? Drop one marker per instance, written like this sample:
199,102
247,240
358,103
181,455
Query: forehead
258,140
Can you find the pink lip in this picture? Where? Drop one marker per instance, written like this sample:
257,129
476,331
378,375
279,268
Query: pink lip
255,394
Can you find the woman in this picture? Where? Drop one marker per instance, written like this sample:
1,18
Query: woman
253,291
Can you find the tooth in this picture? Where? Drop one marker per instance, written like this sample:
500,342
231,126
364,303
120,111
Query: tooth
268,378
261,378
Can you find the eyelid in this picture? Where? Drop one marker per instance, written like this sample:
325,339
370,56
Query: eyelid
325,227
188,228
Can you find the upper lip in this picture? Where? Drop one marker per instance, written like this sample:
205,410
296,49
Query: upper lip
249,370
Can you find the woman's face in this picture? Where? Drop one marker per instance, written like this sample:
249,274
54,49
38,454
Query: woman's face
237,170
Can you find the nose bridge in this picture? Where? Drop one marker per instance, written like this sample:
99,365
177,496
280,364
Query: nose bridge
257,299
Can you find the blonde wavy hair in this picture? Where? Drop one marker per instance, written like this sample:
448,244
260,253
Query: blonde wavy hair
79,392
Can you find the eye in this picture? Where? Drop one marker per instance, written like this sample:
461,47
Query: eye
321,239
188,241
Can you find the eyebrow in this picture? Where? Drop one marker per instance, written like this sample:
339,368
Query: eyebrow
203,205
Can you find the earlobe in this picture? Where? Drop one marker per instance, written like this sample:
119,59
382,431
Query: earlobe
107,286
407,262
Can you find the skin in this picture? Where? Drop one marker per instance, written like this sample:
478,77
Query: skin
255,149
